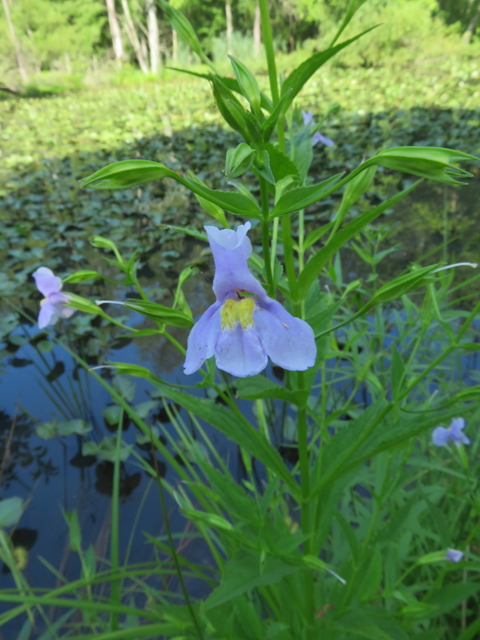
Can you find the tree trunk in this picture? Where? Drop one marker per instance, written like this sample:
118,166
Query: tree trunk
174,45
256,31
153,36
467,36
228,17
68,66
143,46
292,37
133,37
16,45
115,30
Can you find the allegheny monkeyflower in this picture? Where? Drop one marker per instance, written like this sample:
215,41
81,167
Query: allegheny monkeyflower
317,136
245,327
441,436
52,306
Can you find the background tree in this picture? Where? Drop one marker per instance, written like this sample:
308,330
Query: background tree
16,46
115,30
153,36
133,37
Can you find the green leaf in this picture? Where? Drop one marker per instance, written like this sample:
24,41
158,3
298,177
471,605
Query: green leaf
239,160
303,197
245,572
125,387
90,562
25,631
353,7
320,321
320,259
11,510
398,373
74,530
160,313
112,414
427,162
236,429
370,584
281,165
212,209
143,409
130,173
45,346
296,80
451,596
316,235
247,83
231,110
81,276
263,168
260,387
268,126
184,29
101,243
70,427
106,450
209,519
47,430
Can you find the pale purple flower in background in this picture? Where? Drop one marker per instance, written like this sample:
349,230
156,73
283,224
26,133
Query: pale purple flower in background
245,327
52,306
317,137
454,555
441,436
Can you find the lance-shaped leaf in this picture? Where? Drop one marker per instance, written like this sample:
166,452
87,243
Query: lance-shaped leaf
353,7
212,209
83,275
184,29
320,259
130,173
260,387
269,125
160,313
230,83
427,162
236,429
239,161
248,84
305,71
302,197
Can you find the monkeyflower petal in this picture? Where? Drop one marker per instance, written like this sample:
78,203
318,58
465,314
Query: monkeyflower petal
52,306
317,137
454,555
441,436
245,327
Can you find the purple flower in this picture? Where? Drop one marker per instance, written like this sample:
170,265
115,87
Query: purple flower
244,326
317,137
53,305
441,436
454,555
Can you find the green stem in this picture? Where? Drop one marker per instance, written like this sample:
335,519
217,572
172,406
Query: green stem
272,67
266,234
288,256
115,585
171,543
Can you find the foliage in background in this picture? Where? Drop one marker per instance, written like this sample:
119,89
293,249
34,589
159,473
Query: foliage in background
74,36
